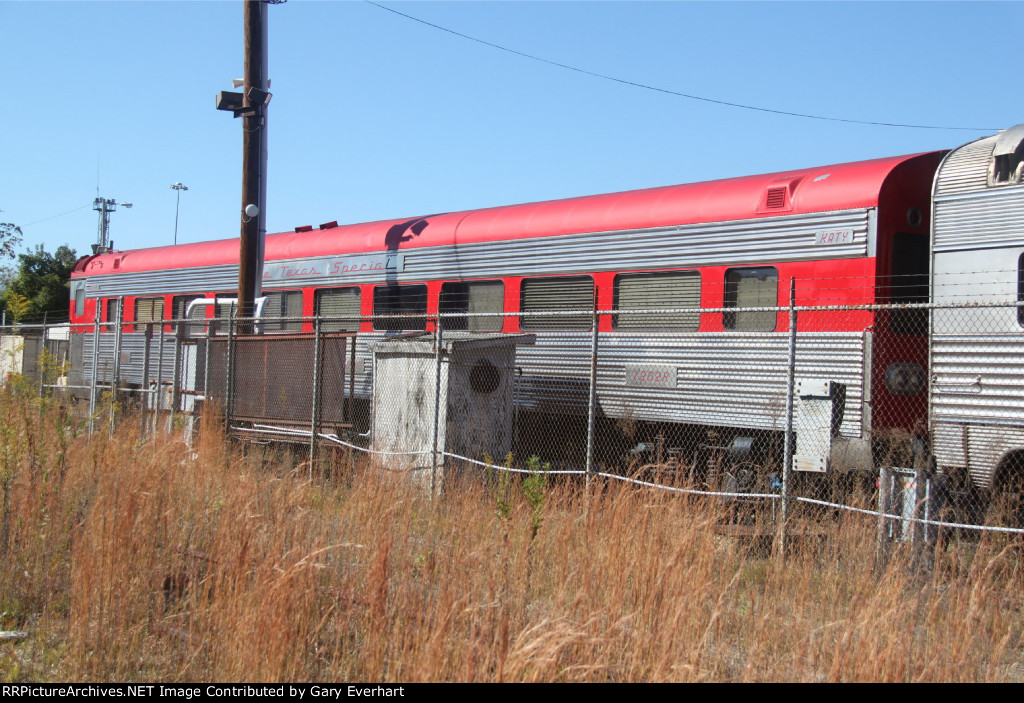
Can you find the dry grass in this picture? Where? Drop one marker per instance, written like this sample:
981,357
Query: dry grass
137,561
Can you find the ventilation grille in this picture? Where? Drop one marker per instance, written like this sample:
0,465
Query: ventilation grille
776,198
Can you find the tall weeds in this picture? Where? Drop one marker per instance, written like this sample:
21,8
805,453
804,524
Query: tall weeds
141,560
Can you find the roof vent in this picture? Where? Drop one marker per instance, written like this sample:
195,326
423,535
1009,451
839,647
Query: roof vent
304,228
1007,165
776,198
329,225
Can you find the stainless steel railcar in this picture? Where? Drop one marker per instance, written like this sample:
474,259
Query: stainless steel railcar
852,234
977,337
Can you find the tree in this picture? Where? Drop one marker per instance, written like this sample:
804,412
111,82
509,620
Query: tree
10,238
42,278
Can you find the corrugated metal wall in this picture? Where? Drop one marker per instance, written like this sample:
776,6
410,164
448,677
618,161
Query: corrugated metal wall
976,406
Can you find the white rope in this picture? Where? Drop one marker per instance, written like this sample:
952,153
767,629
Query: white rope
267,429
577,472
690,491
890,516
648,484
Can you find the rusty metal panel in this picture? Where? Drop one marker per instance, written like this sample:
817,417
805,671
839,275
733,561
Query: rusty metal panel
273,376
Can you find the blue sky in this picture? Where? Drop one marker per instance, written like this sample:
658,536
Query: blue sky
376,116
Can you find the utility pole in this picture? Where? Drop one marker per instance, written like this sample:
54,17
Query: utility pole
254,159
251,105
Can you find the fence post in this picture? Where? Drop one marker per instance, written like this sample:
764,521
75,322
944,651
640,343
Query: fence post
39,369
438,342
787,452
350,414
144,395
95,368
884,499
207,355
229,380
115,380
179,330
592,394
315,419
921,503
158,397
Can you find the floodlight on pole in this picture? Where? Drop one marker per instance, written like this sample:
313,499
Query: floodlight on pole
178,187
105,206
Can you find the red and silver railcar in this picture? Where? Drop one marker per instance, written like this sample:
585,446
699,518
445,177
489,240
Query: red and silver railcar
848,234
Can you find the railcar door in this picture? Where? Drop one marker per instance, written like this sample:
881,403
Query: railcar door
901,342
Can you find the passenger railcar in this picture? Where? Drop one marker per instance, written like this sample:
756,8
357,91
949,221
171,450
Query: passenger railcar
977,342
847,234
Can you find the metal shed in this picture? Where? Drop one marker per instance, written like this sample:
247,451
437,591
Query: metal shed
455,395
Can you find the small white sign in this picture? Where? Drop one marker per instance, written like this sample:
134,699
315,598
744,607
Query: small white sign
833,236
651,375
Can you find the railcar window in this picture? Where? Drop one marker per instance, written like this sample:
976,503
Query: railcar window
341,307
281,304
179,305
148,310
459,297
1006,161
222,311
78,295
559,294
226,310
408,299
909,283
753,287
113,305
198,313
179,308
662,290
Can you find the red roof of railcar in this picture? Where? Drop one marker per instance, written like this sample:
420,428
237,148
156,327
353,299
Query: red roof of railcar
823,189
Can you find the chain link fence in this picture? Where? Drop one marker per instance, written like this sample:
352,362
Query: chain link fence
913,414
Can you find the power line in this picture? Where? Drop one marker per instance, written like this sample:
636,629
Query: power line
53,217
673,92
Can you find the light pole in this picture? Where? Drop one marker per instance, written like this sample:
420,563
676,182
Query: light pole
104,206
178,187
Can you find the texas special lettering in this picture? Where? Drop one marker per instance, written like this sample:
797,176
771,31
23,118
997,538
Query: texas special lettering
319,268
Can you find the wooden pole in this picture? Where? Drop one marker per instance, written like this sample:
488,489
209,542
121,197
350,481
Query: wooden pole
253,164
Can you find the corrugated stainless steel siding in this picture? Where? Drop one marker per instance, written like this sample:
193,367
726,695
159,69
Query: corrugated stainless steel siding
977,400
133,349
193,280
749,241
745,241
975,446
958,362
741,384
965,170
984,220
